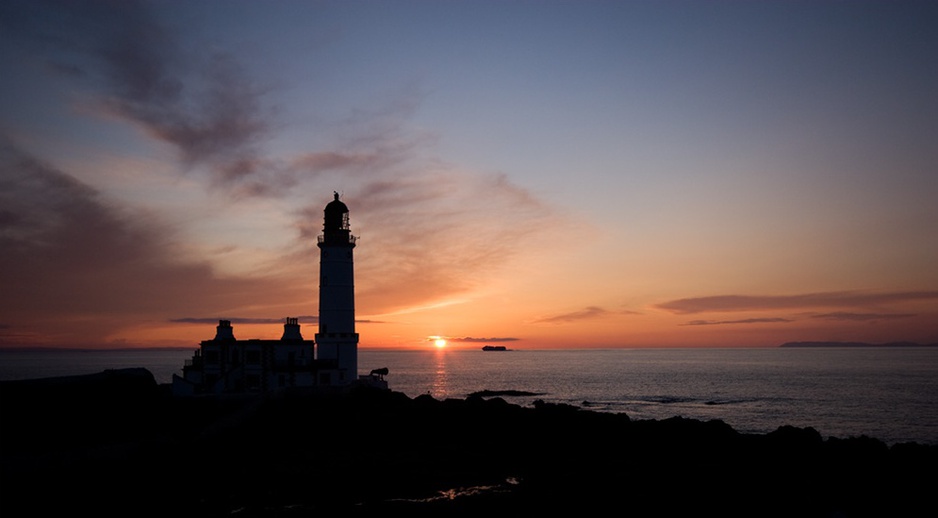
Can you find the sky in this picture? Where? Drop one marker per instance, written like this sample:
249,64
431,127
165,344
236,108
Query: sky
550,174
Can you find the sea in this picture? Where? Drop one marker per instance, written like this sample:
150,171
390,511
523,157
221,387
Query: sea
890,394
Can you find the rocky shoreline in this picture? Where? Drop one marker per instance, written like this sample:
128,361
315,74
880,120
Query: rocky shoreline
117,443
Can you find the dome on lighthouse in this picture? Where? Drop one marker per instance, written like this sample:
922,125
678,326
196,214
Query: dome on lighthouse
336,206
336,215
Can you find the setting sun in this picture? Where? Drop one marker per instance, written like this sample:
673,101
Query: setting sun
439,342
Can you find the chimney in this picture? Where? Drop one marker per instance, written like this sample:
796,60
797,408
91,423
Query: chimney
224,331
291,329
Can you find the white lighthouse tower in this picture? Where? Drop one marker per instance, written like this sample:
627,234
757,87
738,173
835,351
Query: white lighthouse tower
337,340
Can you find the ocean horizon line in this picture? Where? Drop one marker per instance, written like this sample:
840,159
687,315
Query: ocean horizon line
794,344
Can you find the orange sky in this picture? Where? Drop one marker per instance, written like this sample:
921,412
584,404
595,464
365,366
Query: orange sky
582,174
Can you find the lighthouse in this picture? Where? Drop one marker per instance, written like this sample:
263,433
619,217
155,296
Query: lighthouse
337,340
228,365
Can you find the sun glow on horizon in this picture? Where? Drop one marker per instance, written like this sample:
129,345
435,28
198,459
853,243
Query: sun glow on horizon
439,343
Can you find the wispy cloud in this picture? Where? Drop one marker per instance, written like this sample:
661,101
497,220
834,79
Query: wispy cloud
322,161
435,234
742,321
431,232
198,100
802,301
97,267
588,313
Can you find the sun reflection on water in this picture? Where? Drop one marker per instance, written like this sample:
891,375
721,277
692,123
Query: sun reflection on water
440,387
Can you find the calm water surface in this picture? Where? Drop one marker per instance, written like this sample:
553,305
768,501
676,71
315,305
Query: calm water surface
890,394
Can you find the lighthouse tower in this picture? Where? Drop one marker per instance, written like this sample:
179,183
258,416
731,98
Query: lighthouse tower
337,340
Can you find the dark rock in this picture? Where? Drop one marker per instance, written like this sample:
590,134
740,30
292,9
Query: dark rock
492,393
114,444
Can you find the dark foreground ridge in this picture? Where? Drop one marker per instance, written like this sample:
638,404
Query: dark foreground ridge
116,443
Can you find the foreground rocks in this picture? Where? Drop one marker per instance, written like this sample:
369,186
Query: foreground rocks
117,443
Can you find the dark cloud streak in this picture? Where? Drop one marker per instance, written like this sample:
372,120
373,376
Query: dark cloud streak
743,321
304,319
861,317
808,300
470,339
585,314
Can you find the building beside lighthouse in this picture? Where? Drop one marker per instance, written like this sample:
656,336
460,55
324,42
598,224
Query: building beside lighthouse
225,364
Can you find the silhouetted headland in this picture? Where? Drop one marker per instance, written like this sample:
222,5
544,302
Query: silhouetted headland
117,443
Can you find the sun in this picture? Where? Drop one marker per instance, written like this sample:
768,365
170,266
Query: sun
439,343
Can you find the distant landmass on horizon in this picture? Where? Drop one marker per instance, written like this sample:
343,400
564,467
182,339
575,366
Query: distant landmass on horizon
854,344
